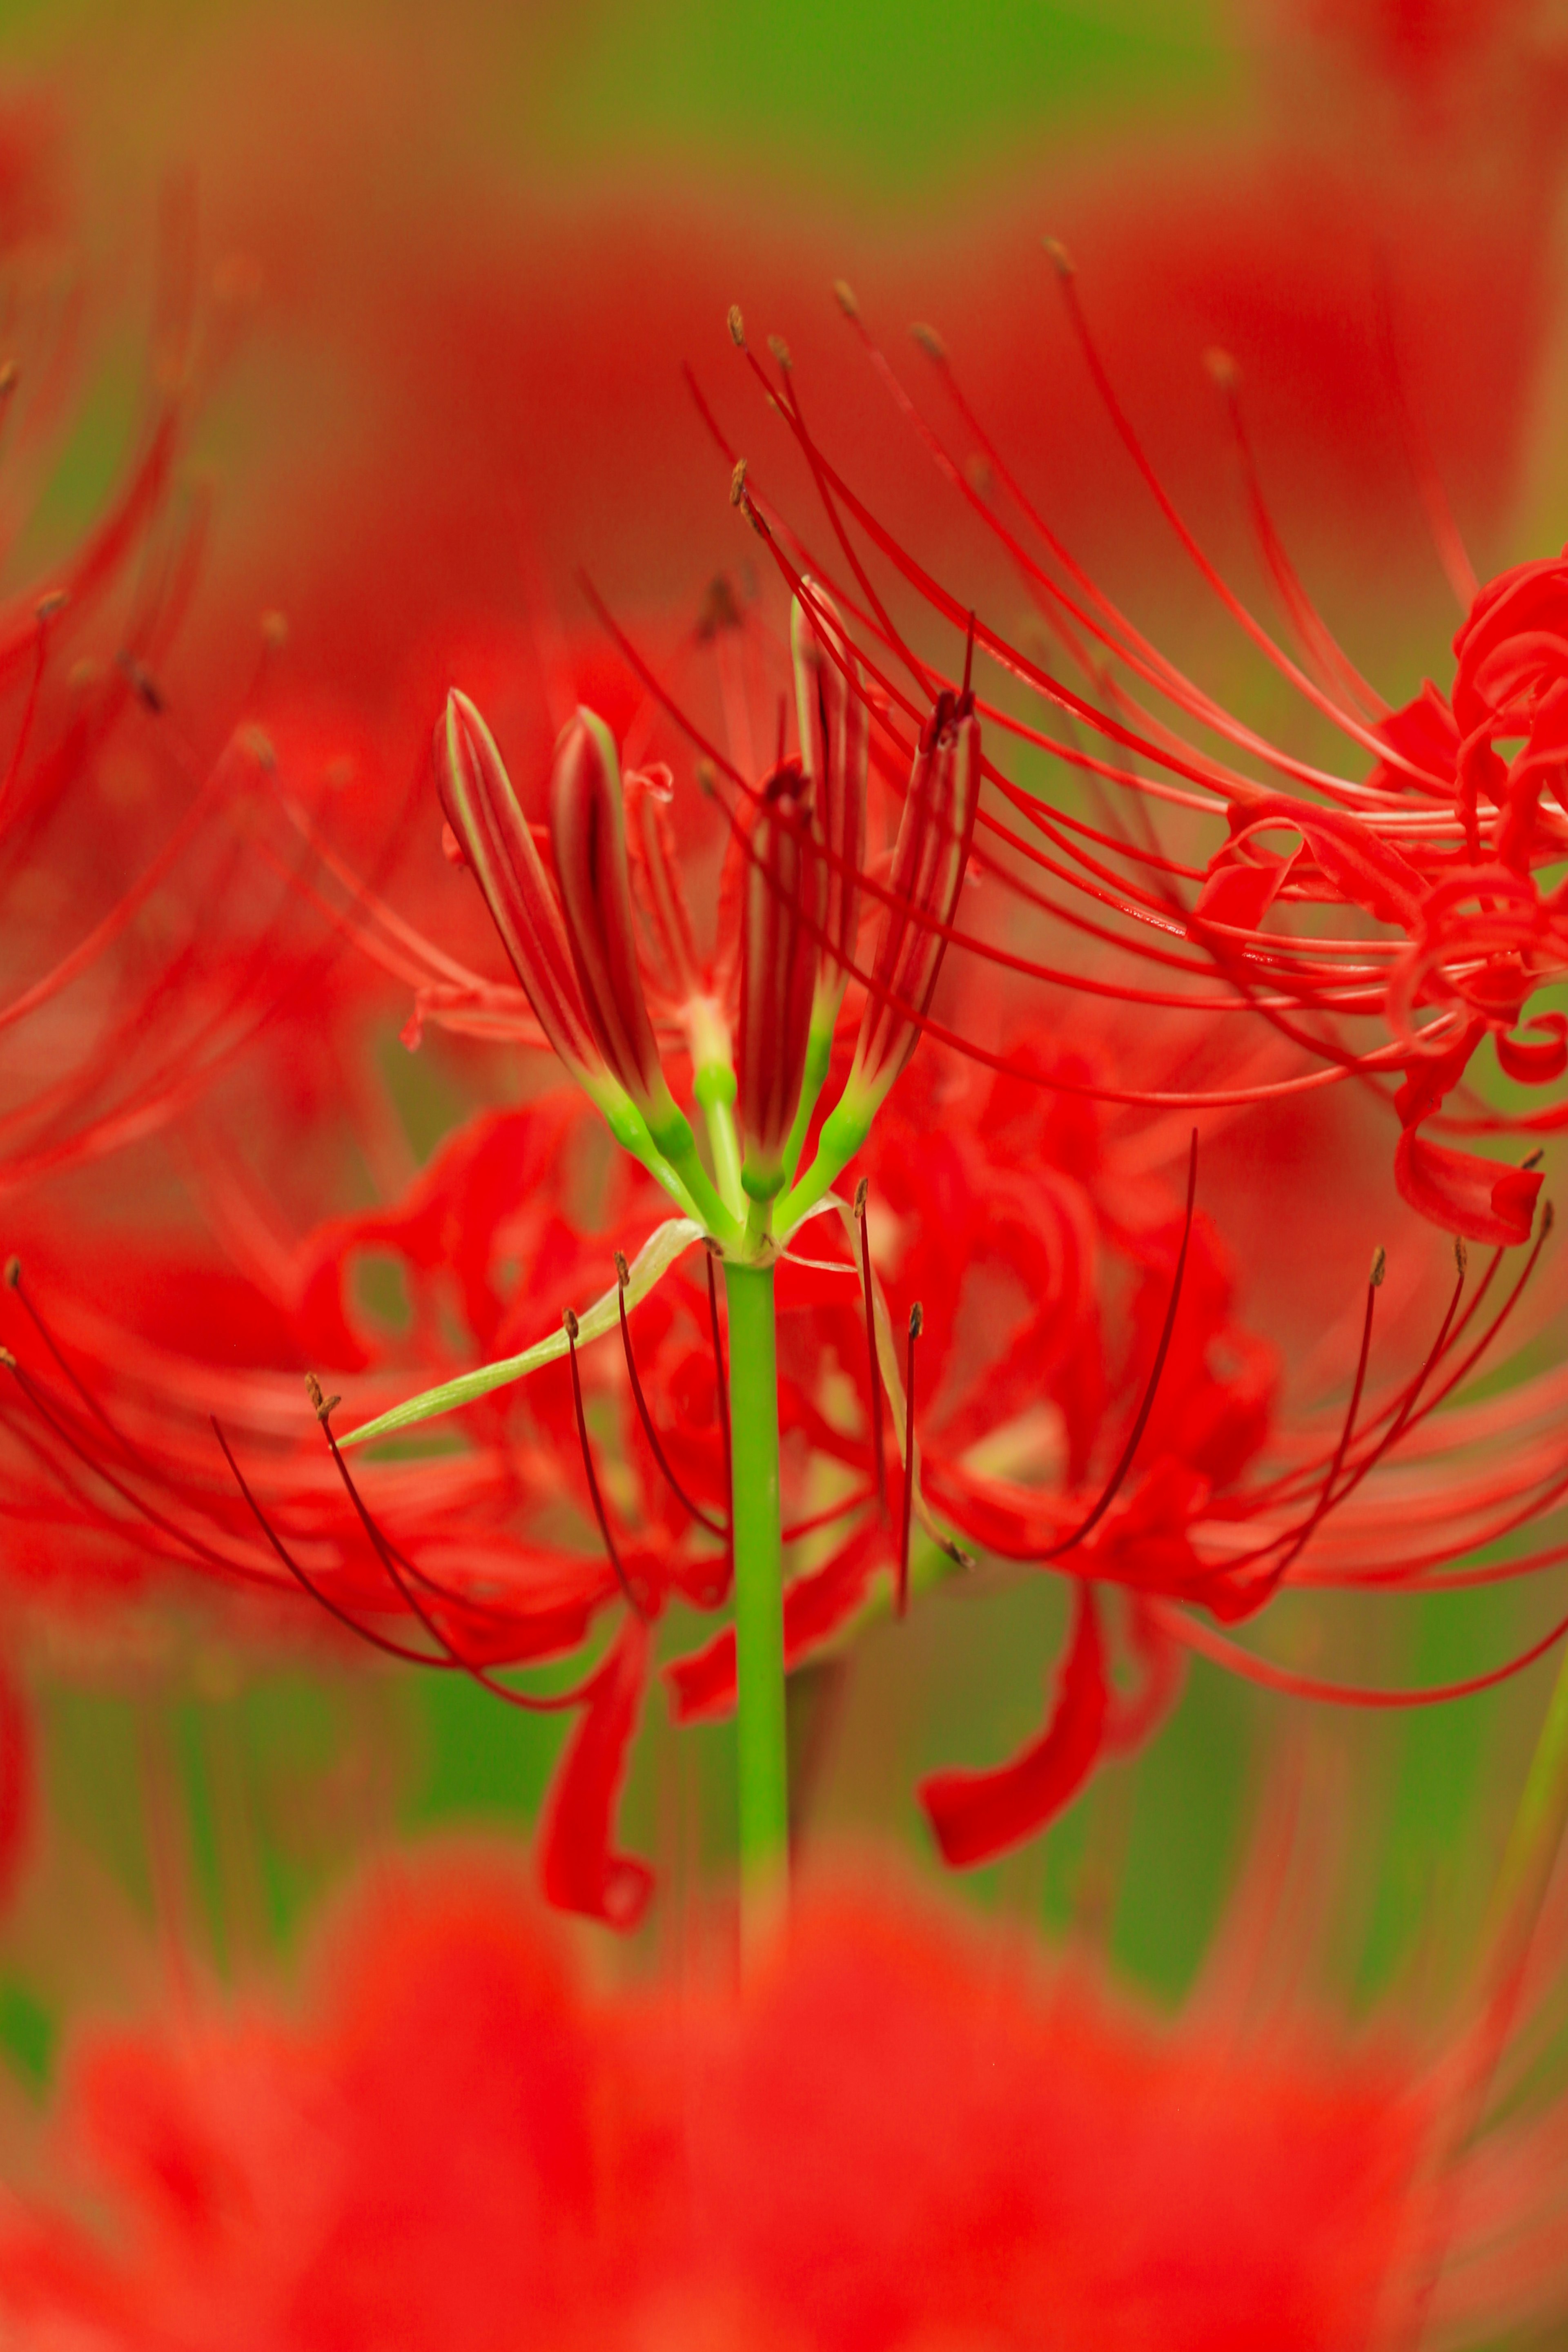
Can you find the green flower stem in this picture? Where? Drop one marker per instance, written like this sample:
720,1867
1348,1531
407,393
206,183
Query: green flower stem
818,1055
762,1768
844,1130
681,1151
714,1087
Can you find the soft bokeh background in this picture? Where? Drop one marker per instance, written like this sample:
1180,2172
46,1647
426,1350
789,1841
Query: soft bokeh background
479,252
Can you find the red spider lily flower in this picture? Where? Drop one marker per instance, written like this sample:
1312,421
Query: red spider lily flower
1447,853
455,2130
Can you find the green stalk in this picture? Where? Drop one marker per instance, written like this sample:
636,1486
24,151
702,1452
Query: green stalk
714,1087
761,1764
844,1130
818,1055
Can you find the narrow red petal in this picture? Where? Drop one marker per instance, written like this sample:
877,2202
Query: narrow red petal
579,1871
1464,1193
975,1816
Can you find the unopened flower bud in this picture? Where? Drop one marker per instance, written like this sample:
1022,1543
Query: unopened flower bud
833,750
494,840
782,923
588,837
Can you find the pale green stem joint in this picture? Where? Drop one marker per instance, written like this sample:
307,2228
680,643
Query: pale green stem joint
762,1767
714,1087
844,1130
818,1055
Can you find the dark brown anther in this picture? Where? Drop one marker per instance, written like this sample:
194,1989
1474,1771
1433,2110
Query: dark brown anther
1461,1256
1379,1265
141,682
8,1359
928,340
322,1406
737,326
1534,1159
862,1191
13,1272
622,1271
737,483
780,350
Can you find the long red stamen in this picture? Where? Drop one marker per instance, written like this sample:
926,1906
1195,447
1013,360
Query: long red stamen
873,1371
1114,1483
396,1566
1196,1635
308,1584
72,1440
600,1513
1297,1543
13,1283
715,1527
916,1321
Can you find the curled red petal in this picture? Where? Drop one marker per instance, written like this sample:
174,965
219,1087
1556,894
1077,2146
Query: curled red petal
975,1816
578,1869
1360,865
1241,895
1464,1193
1536,1061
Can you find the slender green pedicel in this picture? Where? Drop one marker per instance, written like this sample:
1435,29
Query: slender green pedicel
762,1766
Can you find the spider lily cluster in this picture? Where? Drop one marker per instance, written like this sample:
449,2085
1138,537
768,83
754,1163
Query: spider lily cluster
744,1054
